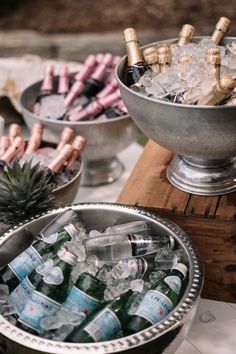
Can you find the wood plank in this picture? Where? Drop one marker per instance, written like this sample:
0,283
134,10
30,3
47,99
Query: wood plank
202,206
227,207
148,185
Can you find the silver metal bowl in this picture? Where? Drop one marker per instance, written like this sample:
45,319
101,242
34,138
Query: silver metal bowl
164,337
204,137
104,139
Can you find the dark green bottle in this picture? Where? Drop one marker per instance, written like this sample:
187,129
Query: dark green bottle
105,323
50,293
22,293
86,294
136,66
158,302
35,255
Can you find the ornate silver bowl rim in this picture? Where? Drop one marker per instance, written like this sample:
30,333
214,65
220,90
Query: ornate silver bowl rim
173,320
158,100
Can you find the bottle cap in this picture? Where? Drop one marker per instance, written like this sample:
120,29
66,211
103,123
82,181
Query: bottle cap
223,24
130,35
182,268
213,56
150,55
187,31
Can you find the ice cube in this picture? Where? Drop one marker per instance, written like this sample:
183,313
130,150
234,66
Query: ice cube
77,248
4,292
137,285
52,107
60,318
54,277
6,309
154,277
94,233
45,268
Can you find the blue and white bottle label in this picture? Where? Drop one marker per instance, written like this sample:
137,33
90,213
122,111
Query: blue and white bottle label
154,306
104,326
22,293
79,301
174,283
36,308
26,262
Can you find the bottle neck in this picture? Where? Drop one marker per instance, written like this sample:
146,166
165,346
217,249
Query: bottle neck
133,53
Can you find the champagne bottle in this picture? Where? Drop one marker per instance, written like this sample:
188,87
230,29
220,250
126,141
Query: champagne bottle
34,255
63,84
231,101
35,139
50,293
136,66
82,76
15,149
120,246
96,107
78,146
150,56
222,27
164,57
159,301
110,87
58,162
66,137
104,324
86,294
213,61
220,91
46,87
186,35
14,131
4,144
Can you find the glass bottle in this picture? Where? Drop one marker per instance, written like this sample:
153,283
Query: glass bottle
158,302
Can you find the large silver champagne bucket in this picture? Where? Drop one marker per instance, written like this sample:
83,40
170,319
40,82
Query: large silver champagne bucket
164,337
203,137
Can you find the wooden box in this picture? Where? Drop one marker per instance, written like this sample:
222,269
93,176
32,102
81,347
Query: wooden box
209,221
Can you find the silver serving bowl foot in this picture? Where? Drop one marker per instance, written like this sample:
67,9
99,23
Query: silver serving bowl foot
102,172
203,176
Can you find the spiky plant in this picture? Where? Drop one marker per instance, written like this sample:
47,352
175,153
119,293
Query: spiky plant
25,190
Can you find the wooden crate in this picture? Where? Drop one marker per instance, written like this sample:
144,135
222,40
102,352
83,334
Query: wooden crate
209,221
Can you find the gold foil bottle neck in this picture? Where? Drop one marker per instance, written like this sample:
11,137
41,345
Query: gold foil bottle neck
186,34
150,56
130,34
227,84
222,27
223,24
132,47
213,56
164,55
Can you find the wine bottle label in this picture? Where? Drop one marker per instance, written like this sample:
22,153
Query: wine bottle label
79,301
36,308
139,243
104,326
25,263
174,283
19,297
154,306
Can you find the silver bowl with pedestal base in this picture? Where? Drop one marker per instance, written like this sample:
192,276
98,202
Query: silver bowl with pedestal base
105,139
203,137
